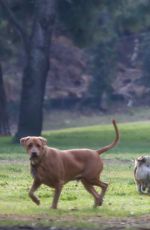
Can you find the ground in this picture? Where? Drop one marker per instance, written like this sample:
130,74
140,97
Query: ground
123,208
142,223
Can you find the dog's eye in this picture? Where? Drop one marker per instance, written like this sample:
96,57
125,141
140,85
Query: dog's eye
38,146
30,145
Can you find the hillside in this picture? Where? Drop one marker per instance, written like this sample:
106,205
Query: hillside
70,77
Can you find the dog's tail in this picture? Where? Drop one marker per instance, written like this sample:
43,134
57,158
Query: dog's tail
115,142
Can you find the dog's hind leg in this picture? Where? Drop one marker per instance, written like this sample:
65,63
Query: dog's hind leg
57,193
36,184
139,188
103,186
92,191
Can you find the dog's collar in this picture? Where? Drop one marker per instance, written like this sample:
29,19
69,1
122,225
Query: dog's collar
35,164
38,161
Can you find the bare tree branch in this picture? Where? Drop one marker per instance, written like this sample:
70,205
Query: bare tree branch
13,20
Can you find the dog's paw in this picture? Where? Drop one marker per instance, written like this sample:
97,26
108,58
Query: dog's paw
100,202
37,202
53,207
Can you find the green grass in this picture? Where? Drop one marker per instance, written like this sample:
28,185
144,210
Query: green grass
135,139
75,206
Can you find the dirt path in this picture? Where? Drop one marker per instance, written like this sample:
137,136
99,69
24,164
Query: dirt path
130,223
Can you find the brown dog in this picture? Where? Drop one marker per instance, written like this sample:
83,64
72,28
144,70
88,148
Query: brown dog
54,167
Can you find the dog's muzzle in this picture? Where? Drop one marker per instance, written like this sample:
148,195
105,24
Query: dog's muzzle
33,155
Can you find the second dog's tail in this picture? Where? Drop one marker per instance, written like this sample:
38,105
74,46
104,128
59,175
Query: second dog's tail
115,142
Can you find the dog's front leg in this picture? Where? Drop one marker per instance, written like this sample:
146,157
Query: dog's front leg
148,189
139,188
57,192
36,184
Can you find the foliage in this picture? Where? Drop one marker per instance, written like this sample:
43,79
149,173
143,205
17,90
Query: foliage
95,25
80,19
117,20
9,40
99,35
103,70
4,41
146,58
4,121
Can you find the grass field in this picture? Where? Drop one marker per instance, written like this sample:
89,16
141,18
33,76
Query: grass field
75,206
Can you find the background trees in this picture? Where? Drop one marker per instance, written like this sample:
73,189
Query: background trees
4,123
102,29
37,51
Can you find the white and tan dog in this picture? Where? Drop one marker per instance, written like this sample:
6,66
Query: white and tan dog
142,174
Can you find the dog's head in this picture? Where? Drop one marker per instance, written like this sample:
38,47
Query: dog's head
142,160
34,146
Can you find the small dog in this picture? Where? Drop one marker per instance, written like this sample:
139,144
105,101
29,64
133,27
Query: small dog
54,167
142,174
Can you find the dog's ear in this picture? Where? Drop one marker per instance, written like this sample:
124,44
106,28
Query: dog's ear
141,159
44,141
23,140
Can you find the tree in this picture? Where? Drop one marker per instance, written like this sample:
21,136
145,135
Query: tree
103,70
75,15
36,69
97,22
118,20
4,124
146,58
37,51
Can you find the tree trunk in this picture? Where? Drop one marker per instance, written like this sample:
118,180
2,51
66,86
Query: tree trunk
4,124
36,70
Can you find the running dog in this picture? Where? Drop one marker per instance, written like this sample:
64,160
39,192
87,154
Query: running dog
54,167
